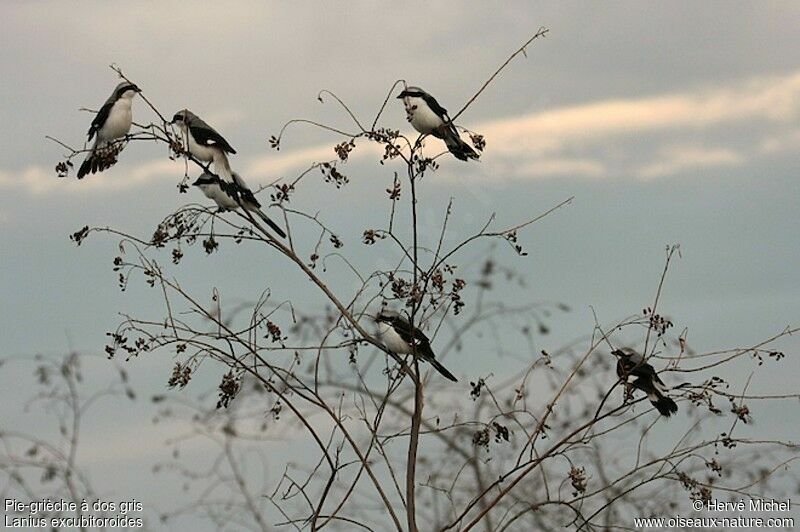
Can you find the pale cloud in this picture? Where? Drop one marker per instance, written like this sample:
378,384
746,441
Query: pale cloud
558,142
271,166
563,167
682,158
34,179
39,180
780,143
776,99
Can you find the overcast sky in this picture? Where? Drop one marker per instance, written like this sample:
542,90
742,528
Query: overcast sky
669,122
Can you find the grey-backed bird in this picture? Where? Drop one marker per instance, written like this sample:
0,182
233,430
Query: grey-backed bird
399,337
112,122
430,118
228,196
204,143
632,364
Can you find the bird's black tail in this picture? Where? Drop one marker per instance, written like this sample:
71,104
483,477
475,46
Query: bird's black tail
460,149
665,405
101,157
275,227
86,166
89,165
441,369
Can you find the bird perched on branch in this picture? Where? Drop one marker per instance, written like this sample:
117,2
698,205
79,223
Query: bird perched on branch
399,337
112,122
204,143
231,196
430,118
631,363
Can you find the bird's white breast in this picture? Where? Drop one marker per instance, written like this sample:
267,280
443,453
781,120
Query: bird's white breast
393,341
422,118
203,153
215,192
118,123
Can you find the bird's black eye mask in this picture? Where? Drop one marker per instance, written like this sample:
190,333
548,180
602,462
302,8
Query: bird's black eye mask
411,94
385,318
204,181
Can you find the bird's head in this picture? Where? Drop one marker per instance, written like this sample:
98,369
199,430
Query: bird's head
126,89
628,354
182,118
386,316
411,92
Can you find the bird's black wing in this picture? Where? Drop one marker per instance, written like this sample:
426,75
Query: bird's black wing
244,192
248,196
442,113
417,338
627,367
657,379
230,189
413,337
100,118
403,328
435,107
645,370
206,136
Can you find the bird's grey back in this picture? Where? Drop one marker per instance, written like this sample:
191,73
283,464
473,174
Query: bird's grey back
195,121
416,89
633,355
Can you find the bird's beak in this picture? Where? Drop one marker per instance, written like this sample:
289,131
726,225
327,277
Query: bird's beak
402,95
196,182
136,88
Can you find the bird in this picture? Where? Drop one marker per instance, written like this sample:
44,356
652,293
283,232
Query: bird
399,337
112,121
631,363
230,196
430,118
204,143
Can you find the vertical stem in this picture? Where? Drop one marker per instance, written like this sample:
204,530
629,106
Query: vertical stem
411,471
476,467
69,375
416,418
